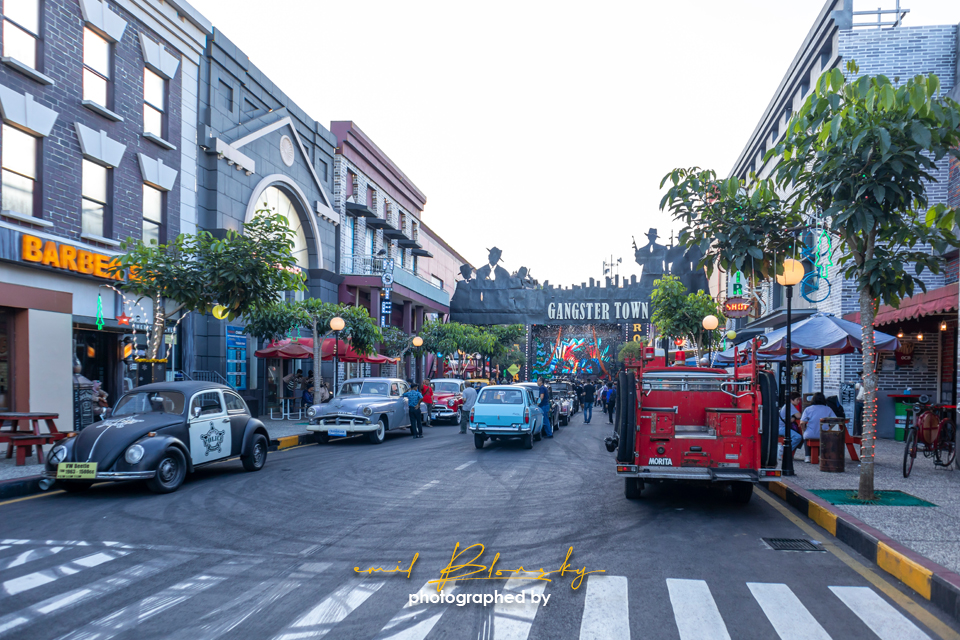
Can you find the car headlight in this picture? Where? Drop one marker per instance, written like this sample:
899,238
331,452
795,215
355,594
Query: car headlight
451,403
58,455
134,454
312,412
367,411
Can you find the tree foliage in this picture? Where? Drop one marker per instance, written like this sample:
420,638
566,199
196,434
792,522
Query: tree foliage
630,351
680,314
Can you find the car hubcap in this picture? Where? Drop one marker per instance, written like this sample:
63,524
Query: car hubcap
380,431
167,470
258,454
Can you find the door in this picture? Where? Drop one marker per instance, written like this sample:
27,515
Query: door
238,414
401,411
211,437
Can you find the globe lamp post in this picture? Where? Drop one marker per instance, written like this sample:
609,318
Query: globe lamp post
710,323
792,275
336,325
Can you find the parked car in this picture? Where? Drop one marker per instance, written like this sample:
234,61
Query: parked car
447,399
554,402
566,395
505,412
370,406
159,432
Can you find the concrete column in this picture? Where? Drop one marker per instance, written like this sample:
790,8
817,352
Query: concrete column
375,314
408,329
419,327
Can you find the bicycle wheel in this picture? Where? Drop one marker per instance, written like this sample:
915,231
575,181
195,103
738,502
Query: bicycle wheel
813,288
947,446
909,452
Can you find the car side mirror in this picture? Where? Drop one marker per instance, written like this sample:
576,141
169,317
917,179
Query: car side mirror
196,412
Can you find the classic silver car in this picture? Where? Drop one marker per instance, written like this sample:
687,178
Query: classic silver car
364,405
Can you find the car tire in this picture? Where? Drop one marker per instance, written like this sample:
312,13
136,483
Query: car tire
74,487
257,457
478,441
321,438
457,417
171,472
528,441
632,488
740,492
378,436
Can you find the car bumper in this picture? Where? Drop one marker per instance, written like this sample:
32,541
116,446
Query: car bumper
444,413
350,425
116,476
500,431
698,473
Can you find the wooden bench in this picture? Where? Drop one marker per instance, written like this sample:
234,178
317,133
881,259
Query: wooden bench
848,439
24,445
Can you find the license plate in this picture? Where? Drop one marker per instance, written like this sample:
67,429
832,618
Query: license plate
77,471
336,432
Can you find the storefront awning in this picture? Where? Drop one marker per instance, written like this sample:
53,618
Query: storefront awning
935,301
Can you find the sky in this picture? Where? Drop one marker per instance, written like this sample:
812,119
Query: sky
540,127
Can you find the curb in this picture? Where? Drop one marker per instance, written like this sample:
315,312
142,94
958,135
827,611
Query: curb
935,583
288,442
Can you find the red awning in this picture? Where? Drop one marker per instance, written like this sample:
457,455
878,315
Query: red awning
303,349
932,302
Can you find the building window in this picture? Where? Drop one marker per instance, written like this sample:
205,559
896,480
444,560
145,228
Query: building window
21,30
403,223
322,169
825,57
370,197
95,201
351,234
19,171
96,68
154,102
413,263
774,134
152,215
437,282
369,241
226,95
351,183
403,257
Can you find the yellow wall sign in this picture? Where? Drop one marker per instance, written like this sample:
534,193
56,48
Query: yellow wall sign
67,257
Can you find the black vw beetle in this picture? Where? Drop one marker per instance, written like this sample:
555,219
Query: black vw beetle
158,433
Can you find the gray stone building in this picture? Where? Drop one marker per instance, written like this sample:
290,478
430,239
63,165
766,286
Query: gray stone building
98,102
926,323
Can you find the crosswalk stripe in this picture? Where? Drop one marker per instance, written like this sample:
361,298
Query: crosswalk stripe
410,623
512,620
606,612
320,620
40,578
695,610
225,619
790,619
91,591
876,613
464,465
27,556
132,615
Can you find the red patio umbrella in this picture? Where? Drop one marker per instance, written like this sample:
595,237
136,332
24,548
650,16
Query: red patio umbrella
303,349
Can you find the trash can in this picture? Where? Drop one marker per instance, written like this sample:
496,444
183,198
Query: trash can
832,444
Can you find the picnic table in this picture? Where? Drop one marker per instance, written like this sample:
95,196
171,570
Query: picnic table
21,432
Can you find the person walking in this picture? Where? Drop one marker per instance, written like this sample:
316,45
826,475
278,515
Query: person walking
589,395
414,398
601,395
810,421
611,402
469,399
427,392
544,404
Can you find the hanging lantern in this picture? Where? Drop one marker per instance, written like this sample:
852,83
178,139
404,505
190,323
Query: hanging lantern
943,326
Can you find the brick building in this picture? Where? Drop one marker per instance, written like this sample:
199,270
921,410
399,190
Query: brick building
98,101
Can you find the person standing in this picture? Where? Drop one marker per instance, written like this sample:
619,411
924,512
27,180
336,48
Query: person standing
810,421
611,402
589,395
601,396
469,399
294,383
414,398
427,392
544,403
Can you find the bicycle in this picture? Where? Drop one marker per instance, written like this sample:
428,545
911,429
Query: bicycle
933,429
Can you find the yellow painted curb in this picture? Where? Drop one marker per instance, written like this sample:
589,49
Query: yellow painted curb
287,441
915,576
778,488
822,517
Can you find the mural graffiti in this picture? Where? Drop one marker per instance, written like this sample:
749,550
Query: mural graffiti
575,350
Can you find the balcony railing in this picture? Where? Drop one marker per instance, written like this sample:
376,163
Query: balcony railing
357,264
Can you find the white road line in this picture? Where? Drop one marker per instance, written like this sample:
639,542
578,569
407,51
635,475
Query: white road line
226,618
425,487
695,611
320,620
412,622
40,578
27,556
94,590
790,619
131,616
464,465
606,612
513,620
4,546
876,613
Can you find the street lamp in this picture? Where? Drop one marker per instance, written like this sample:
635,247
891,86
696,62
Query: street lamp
336,325
792,275
710,323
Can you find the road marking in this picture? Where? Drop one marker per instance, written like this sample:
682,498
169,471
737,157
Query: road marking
790,619
512,620
606,612
320,620
131,616
425,487
91,591
878,614
33,497
409,624
27,556
464,465
695,611
40,578
928,619
226,618
4,546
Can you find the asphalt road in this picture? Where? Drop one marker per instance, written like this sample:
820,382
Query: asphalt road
272,554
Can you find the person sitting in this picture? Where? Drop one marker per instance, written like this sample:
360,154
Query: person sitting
796,438
308,396
810,421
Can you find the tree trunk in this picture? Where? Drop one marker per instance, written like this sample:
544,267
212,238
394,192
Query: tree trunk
159,325
868,312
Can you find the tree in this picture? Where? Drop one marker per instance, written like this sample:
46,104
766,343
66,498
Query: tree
857,156
680,314
630,351
395,341
197,272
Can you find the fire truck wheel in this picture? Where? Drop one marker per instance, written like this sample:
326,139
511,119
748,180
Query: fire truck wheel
741,492
769,419
632,488
528,441
478,441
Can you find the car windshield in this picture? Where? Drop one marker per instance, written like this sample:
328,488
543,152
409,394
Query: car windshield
150,402
560,387
359,387
446,387
500,396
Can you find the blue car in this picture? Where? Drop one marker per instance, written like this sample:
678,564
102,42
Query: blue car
506,412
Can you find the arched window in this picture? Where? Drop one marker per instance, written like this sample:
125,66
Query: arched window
276,200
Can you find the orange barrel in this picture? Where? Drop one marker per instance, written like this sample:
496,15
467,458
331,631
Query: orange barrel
832,444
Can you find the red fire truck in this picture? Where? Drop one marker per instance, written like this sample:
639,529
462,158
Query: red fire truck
695,424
